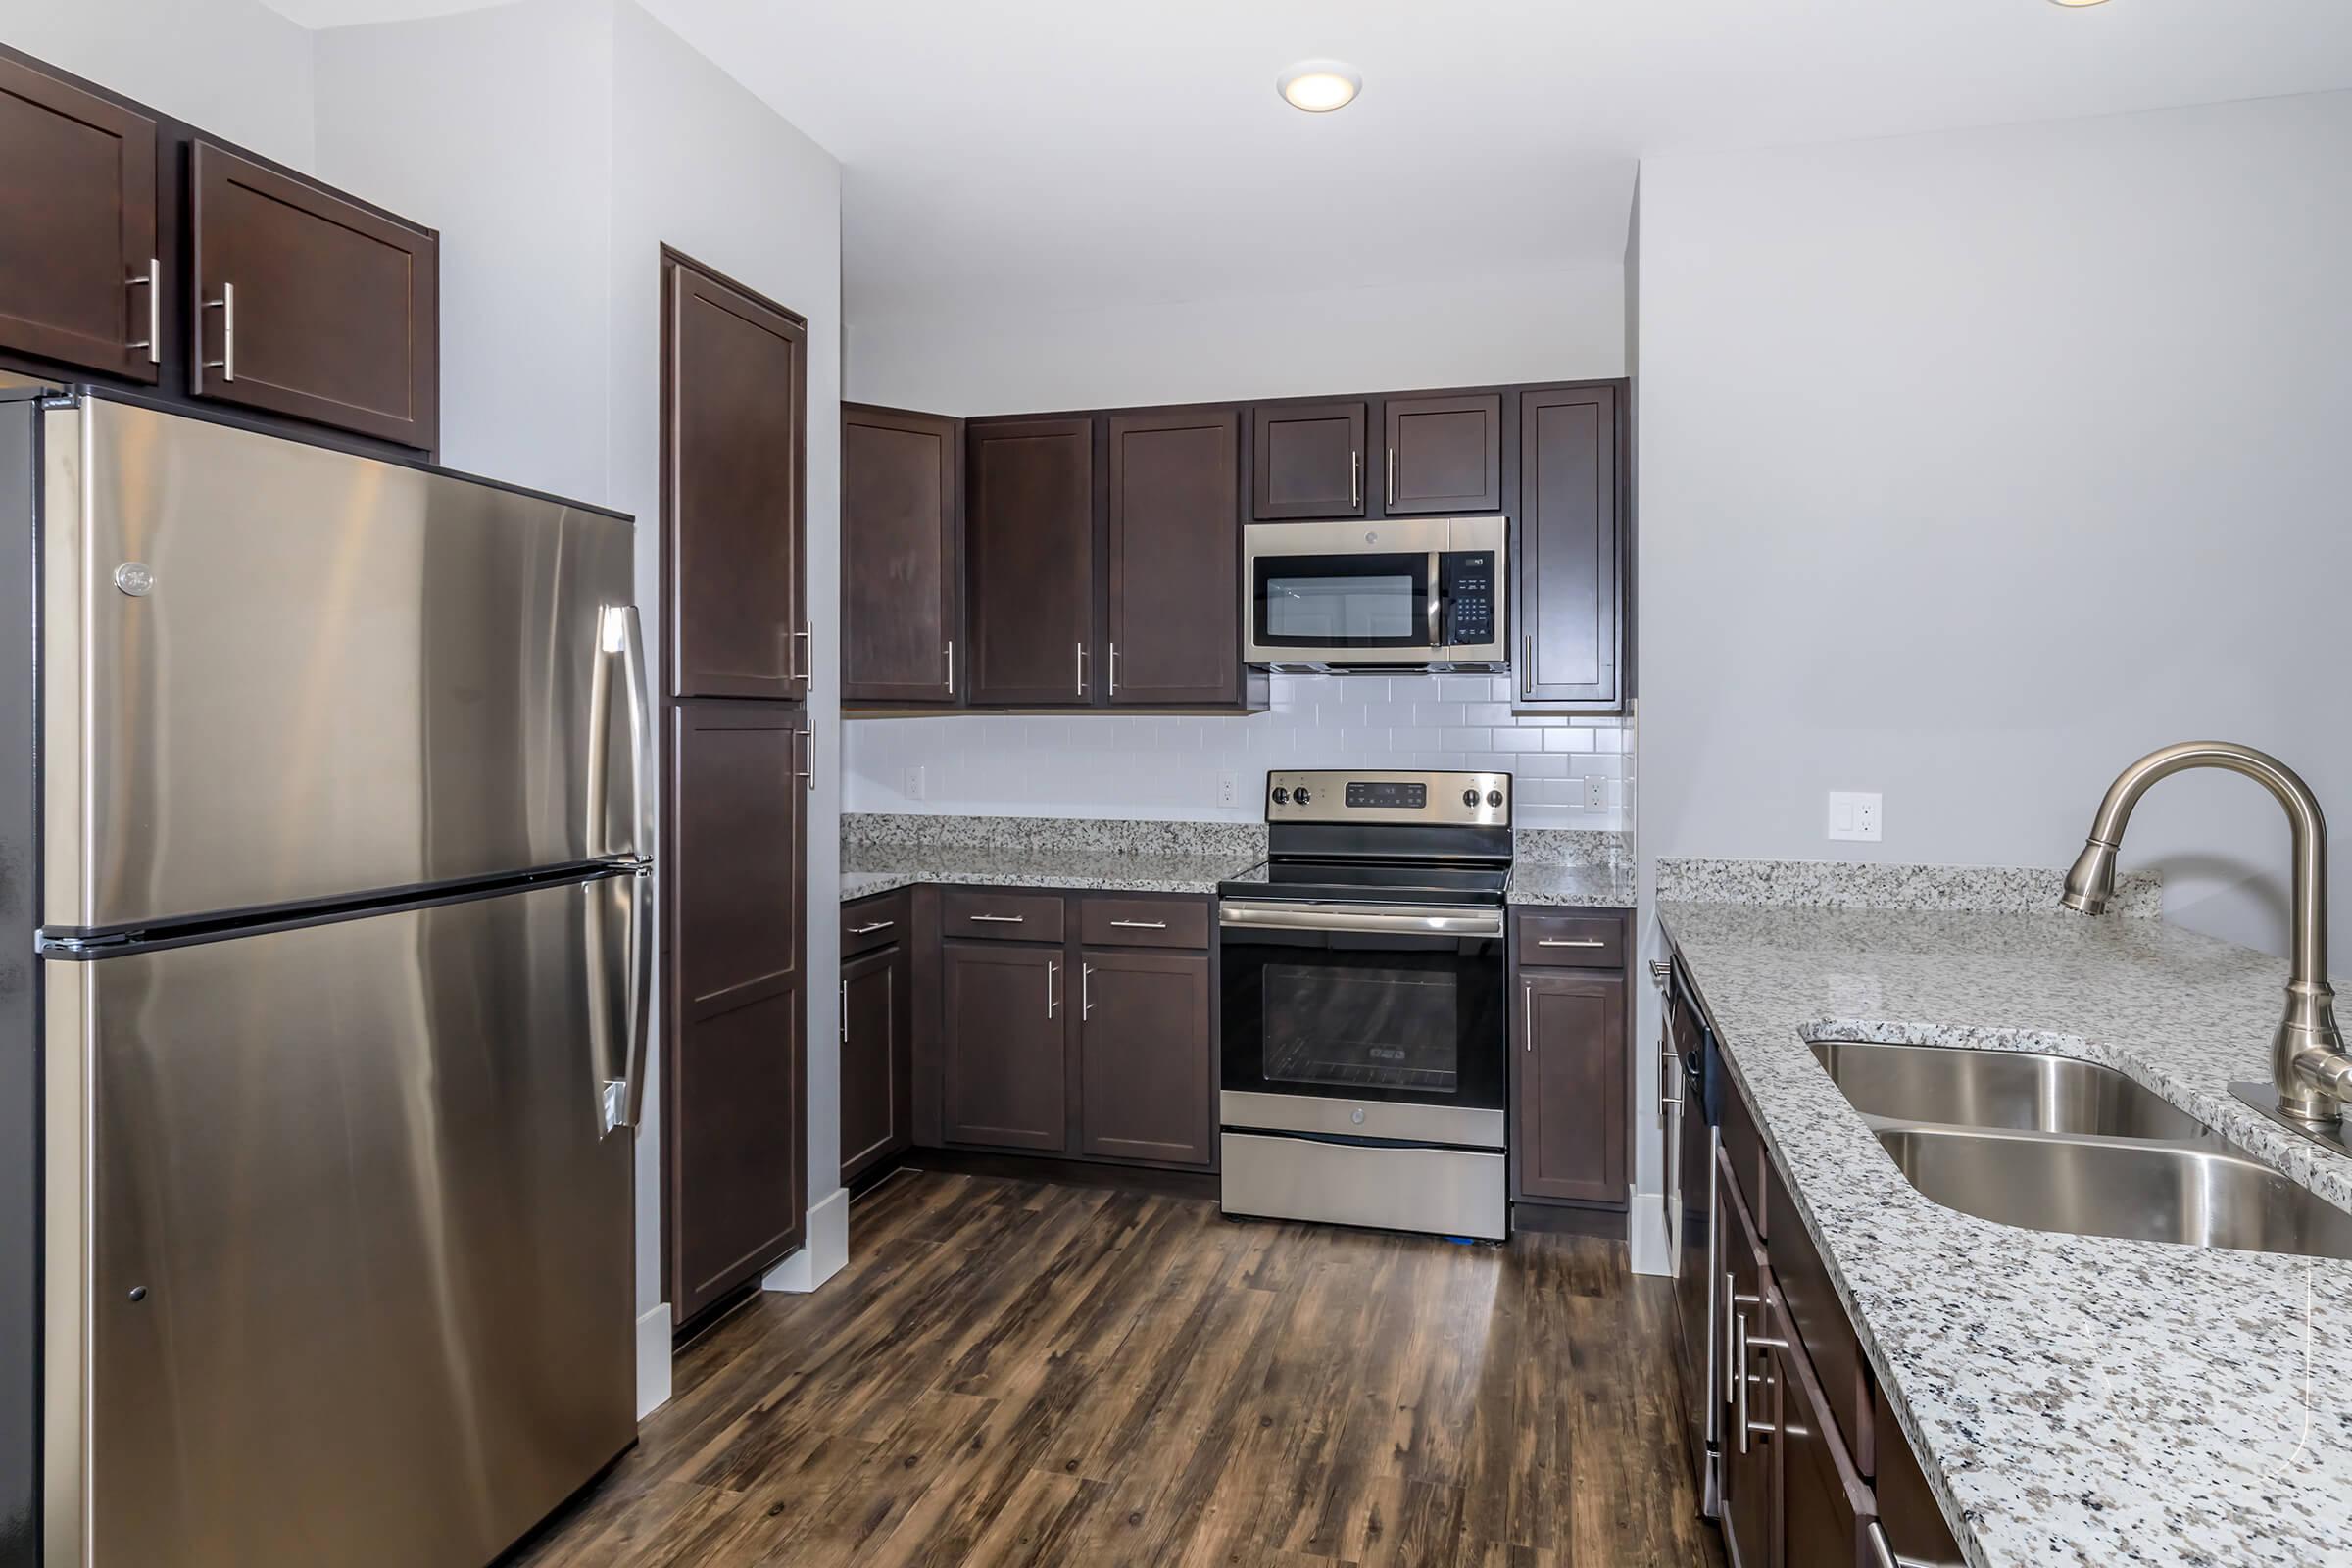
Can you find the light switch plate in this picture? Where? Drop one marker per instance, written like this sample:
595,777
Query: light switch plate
1854,814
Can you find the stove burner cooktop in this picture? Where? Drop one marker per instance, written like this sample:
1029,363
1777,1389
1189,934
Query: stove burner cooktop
1358,881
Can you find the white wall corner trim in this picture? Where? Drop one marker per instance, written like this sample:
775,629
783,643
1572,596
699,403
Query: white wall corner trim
653,1360
828,1253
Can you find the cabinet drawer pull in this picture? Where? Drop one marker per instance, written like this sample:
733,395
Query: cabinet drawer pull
153,342
227,305
1570,941
1142,925
998,919
870,930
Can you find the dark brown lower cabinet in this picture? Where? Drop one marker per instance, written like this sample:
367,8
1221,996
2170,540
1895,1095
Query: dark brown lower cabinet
1824,1503
1147,1075
1752,1478
876,1107
734,1074
1570,1073
1908,1514
1003,1046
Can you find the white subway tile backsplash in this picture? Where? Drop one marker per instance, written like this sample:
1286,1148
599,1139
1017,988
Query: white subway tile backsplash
1169,765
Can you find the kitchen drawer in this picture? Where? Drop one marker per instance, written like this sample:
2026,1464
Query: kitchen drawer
1743,1148
1572,941
871,923
1000,915
1109,921
1819,1318
1908,1514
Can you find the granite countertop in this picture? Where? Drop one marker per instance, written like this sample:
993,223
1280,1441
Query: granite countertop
1598,887
1108,871
2074,1400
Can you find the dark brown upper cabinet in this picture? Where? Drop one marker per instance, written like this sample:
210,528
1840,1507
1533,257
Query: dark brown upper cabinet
1029,536
80,264
1569,614
1309,460
734,454
1175,559
1444,454
303,303
900,589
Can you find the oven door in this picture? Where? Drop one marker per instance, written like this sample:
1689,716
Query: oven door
1366,1023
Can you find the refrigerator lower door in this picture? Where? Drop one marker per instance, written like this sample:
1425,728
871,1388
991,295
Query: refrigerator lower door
341,1259
275,674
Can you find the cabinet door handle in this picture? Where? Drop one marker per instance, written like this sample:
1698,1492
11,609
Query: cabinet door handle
1051,1002
1392,475
951,667
1527,661
1355,478
998,919
1882,1550
1114,670
870,929
227,305
1141,925
1082,670
1570,941
807,642
153,342
1527,1011
1738,1371
807,772
845,1012
1086,992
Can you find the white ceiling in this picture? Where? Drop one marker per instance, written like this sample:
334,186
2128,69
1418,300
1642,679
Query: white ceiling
1080,152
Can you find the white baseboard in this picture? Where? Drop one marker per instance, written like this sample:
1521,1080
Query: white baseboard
653,1360
1646,1235
828,1253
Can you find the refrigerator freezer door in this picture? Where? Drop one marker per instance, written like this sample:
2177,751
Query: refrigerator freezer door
359,1276
275,674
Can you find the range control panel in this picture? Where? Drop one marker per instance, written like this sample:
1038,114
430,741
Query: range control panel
1450,800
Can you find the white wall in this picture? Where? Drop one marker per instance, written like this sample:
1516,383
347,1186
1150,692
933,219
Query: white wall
235,67
558,144
1975,466
1482,328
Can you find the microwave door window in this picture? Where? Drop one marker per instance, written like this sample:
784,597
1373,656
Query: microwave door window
1341,610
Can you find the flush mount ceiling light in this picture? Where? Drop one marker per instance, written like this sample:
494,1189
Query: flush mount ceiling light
1319,86
2076,4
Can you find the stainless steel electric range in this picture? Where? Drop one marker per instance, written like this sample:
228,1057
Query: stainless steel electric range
1365,1004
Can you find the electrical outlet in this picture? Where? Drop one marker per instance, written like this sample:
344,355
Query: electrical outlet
915,784
1854,814
1229,789
1597,794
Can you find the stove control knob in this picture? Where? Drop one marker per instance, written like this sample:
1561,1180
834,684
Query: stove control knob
1301,796
1282,797
1494,797
1469,797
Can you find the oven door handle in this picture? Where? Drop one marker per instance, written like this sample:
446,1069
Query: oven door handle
1394,919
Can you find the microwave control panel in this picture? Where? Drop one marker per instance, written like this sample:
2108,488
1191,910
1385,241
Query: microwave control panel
1466,579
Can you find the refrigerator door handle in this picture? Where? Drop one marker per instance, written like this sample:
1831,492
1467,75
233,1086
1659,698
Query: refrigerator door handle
641,986
624,634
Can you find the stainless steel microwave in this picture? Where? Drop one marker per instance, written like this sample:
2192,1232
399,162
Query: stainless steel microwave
1400,592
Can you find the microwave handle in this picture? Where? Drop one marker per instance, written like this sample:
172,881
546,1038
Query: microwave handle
1436,578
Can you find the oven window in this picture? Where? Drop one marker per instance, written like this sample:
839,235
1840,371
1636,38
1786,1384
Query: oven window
1359,601
1361,1028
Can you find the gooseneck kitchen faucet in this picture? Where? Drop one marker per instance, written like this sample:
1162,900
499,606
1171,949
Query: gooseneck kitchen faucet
2311,1074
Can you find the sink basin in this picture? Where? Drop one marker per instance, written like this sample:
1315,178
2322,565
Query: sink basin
2015,1089
2150,1191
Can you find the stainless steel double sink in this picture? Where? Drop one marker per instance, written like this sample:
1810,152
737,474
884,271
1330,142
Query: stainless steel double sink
2052,1143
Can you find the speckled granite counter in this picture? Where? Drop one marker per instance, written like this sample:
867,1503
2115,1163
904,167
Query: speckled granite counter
2074,1400
880,853
1572,866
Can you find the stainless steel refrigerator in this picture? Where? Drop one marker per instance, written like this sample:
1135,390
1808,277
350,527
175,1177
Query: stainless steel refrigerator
324,868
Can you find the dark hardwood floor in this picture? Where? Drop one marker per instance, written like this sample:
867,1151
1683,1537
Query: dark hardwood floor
1010,1372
